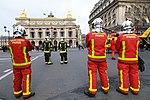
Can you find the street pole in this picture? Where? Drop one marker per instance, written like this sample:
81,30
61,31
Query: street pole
8,33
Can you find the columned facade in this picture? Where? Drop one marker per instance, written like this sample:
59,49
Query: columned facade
55,28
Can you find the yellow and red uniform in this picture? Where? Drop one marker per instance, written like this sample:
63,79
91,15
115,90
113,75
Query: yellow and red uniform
19,48
113,44
96,44
127,48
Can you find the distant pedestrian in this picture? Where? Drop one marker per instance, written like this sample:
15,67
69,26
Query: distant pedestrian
95,43
112,46
19,48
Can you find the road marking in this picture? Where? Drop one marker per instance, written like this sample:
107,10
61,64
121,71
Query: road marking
4,59
5,75
6,70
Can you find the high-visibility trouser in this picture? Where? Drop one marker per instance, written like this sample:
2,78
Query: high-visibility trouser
63,57
92,74
47,57
113,54
22,80
130,71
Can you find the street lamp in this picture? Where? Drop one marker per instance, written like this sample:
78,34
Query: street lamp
8,32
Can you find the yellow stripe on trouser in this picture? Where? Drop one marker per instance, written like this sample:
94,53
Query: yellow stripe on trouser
121,79
18,92
134,89
91,82
106,88
27,85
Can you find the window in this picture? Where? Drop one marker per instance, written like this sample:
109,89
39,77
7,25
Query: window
40,34
62,34
55,34
47,34
32,34
70,33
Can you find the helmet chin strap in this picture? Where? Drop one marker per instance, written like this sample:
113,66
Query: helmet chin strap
98,29
128,31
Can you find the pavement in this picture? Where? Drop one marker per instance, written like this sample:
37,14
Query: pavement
68,82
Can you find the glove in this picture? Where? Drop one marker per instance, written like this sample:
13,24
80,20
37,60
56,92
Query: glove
141,64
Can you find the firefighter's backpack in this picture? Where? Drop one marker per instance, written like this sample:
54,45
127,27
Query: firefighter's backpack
63,46
47,45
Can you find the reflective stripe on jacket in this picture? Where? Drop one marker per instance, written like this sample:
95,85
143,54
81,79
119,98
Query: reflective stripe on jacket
62,46
127,48
47,46
96,44
19,48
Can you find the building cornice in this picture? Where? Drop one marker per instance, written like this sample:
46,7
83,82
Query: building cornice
46,19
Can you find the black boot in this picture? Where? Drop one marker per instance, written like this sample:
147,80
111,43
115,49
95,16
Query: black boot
86,92
65,62
17,96
134,93
113,58
118,90
104,92
31,95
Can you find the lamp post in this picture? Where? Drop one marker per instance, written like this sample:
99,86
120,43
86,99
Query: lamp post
8,33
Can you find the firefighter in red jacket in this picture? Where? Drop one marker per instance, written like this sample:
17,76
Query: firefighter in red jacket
127,47
96,45
19,48
113,44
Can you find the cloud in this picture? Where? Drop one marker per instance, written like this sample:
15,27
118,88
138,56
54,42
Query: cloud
10,9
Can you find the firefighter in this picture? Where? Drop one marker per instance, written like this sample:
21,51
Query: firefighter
96,45
62,46
19,48
127,45
112,46
48,48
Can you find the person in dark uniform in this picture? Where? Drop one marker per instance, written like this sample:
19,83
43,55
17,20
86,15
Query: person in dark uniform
48,48
62,46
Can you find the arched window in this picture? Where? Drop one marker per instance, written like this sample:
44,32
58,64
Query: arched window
33,43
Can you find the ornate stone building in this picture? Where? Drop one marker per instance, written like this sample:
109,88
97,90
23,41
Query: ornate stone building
115,12
54,28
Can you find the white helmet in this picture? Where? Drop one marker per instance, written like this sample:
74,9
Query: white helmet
127,26
19,31
97,25
46,37
61,39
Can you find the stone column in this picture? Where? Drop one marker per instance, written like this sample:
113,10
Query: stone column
58,33
43,33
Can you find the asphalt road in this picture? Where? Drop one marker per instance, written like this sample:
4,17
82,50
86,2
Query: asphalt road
67,82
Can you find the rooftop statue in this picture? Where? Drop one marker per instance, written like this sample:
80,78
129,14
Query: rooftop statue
23,13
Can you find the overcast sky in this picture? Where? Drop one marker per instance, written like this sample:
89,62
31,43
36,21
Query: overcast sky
10,9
